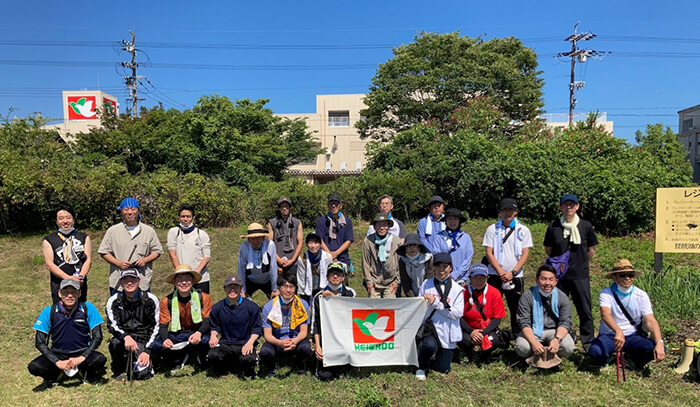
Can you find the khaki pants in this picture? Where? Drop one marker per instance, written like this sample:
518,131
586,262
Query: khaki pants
382,293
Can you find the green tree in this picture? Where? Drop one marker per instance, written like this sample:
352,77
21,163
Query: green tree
438,73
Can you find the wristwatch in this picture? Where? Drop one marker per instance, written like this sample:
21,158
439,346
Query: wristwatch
558,339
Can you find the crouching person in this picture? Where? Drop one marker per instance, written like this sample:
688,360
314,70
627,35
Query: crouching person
235,328
544,319
75,333
483,312
285,322
132,317
335,287
446,305
183,320
625,310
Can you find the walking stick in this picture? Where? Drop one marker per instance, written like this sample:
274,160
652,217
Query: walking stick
130,367
620,362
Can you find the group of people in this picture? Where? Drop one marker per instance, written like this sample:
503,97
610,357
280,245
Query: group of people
465,300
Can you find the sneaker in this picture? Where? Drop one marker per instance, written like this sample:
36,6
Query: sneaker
272,373
420,374
120,378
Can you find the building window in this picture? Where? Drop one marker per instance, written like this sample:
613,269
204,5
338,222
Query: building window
339,118
687,125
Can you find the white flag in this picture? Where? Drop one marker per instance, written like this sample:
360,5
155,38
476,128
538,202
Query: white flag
370,332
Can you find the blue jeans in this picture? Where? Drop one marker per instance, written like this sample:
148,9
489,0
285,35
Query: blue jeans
638,349
443,357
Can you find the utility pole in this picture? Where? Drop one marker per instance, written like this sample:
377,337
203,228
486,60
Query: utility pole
580,55
132,81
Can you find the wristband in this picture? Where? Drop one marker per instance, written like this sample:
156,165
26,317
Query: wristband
659,341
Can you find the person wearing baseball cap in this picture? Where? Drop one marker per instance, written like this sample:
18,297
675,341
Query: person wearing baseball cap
434,223
574,236
132,319
626,321
336,231
184,320
130,244
236,325
74,330
507,243
457,243
287,233
380,261
312,274
257,262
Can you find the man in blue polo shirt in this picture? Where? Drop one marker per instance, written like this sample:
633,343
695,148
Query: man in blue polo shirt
75,333
336,231
236,325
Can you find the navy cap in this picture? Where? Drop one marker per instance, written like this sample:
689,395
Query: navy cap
568,197
442,258
508,203
334,198
313,236
284,199
478,269
435,199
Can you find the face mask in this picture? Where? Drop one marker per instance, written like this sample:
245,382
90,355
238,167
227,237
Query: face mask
624,290
285,302
415,256
66,231
334,287
544,294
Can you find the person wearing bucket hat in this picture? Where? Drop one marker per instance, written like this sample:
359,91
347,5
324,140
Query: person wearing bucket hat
67,253
415,264
130,244
575,236
336,231
445,309
507,243
385,204
544,318
132,319
257,262
457,243
183,320
431,225
312,273
380,261
188,244
236,325
483,311
287,233
626,321
74,330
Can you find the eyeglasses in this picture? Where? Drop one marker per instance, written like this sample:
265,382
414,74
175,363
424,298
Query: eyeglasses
625,275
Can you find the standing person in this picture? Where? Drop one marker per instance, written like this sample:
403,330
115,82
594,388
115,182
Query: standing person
508,244
67,253
380,261
236,326
446,308
285,327
130,244
188,244
257,262
625,309
415,265
430,226
336,232
183,320
335,287
544,317
458,244
75,332
385,204
287,232
575,235
132,319
312,273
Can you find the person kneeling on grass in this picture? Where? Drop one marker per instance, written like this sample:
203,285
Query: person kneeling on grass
483,311
446,308
285,322
75,333
625,311
544,319
183,320
235,328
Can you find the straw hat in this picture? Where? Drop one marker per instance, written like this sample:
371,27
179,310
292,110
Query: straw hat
623,266
255,230
183,269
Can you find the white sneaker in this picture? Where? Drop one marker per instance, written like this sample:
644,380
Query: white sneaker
420,374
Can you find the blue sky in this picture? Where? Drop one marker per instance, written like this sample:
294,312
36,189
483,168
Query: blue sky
649,76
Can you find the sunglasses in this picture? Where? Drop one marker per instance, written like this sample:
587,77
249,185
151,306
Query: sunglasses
625,275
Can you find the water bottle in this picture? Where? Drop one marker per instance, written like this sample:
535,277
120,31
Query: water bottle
351,269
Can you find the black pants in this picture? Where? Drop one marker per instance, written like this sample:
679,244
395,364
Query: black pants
580,292
498,341
203,287
512,298
93,366
269,354
229,358
120,359
251,287
56,283
328,373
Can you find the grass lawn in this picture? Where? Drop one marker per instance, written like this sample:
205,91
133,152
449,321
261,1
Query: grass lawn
502,382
